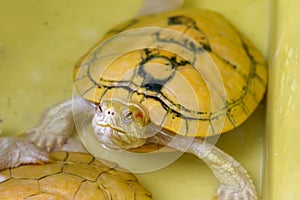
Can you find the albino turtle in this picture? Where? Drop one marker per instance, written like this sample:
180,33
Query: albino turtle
70,176
143,96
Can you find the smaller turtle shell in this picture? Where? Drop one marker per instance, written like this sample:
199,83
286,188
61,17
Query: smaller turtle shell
178,95
70,176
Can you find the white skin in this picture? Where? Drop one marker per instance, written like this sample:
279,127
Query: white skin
122,129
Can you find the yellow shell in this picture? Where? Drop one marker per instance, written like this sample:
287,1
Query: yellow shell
70,176
201,77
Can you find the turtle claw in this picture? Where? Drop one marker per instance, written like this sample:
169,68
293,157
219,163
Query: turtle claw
47,141
231,193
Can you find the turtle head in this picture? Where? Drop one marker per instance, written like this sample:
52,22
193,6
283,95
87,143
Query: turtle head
121,125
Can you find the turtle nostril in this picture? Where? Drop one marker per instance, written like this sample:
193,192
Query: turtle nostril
110,112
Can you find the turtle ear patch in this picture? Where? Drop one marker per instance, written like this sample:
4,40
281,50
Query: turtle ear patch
139,115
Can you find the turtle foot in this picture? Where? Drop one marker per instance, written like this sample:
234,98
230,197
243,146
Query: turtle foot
54,128
231,193
45,140
16,151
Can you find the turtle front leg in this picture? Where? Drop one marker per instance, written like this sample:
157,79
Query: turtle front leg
15,151
235,182
55,127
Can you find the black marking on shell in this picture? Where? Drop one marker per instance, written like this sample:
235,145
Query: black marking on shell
189,23
183,42
182,20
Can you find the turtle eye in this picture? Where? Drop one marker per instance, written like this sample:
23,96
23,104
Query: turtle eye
128,116
99,109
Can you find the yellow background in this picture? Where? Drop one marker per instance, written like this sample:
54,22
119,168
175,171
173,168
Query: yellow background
41,40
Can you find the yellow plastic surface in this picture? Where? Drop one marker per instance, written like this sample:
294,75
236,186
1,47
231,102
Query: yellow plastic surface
41,40
282,177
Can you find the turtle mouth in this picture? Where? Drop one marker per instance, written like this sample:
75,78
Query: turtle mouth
108,135
115,138
109,126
